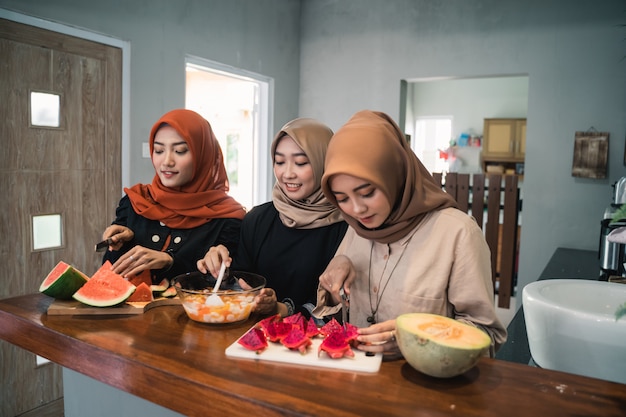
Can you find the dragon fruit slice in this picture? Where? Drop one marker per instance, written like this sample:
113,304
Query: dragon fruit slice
332,326
274,327
310,328
336,345
254,339
297,340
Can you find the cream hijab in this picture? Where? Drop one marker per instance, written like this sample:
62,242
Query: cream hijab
314,211
372,147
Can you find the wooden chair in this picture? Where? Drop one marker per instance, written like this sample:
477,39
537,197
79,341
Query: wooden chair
501,201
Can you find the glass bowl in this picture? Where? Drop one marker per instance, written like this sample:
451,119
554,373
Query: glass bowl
237,293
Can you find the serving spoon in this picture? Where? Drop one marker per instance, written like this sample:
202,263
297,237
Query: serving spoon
214,300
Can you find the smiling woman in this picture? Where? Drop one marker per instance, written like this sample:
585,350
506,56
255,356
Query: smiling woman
165,226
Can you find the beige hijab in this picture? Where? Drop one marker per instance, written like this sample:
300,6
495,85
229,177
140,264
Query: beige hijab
372,147
314,211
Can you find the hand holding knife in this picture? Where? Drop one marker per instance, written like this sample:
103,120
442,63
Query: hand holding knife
101,246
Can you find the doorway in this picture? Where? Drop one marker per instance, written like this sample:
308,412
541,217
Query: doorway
61,179
237,105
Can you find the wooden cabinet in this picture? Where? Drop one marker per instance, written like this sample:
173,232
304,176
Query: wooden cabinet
504,138
504,142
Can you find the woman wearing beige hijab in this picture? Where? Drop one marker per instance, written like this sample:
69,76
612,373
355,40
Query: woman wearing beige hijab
291,239
408,248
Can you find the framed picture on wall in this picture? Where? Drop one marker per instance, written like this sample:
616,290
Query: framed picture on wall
591,153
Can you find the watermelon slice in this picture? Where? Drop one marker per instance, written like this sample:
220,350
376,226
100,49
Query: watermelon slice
105,288
63,281
143,293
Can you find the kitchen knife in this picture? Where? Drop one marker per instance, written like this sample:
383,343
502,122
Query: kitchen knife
101,246
344,308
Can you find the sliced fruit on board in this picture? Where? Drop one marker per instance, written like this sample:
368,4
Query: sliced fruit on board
142,293
440,346
336,345
143,276
254,339
330,327
105,288
63,281
296,339
170,292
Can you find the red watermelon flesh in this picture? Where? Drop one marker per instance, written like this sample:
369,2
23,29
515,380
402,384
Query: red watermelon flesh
105,288
143,293
63,281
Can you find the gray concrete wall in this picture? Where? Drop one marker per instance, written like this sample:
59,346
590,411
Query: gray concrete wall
355,52
332,58
257,36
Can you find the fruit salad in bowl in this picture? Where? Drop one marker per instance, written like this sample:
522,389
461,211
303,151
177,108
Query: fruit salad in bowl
232,302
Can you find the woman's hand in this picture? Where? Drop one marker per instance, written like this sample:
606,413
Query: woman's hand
138,259
119,235
339,273
379,337
266,303
212,261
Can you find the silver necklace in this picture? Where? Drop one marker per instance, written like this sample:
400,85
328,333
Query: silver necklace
372,319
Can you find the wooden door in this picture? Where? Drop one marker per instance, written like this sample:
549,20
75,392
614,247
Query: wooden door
73,171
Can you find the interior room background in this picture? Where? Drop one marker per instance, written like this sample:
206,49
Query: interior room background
331,58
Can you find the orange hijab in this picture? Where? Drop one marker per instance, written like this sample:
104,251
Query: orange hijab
204,197
372,147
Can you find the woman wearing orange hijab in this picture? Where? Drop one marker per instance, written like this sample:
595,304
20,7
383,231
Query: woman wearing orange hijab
167,225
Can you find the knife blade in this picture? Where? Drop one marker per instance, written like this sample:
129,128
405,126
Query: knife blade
344,308
100,246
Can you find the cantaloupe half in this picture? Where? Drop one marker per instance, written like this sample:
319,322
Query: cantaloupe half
440,346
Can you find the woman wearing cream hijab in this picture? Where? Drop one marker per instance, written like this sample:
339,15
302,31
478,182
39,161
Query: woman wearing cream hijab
408,248
290,239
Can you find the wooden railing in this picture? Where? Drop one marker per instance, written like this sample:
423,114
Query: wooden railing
501,202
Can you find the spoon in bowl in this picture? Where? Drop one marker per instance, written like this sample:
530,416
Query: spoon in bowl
214,300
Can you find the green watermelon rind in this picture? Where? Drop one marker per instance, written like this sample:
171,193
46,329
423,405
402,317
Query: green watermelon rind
64,285
105,291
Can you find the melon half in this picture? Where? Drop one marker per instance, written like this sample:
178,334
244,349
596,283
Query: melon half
440,346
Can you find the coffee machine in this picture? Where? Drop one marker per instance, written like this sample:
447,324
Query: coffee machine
612,255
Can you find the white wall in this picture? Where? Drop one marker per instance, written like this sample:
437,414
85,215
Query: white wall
356,52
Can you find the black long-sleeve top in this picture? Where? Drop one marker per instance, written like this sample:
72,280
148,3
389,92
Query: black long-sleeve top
186,246
290,259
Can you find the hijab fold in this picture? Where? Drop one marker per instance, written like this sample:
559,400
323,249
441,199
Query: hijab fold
205,196
372,147
315,211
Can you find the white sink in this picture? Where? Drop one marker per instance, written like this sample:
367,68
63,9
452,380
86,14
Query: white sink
572,328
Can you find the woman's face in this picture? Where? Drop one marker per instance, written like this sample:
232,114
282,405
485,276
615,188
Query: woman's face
360,199
172,158
293,170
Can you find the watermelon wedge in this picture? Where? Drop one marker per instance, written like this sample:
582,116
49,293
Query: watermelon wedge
142,293
63,281
105,288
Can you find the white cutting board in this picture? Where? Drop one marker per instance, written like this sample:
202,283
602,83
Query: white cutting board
276,352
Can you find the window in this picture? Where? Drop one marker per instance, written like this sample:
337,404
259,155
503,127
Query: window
237,105
432,139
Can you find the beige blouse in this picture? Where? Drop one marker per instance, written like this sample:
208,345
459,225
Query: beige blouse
441,267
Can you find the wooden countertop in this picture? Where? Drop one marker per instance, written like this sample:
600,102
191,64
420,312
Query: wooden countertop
165,358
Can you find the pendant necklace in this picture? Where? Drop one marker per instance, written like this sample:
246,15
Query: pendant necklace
372,318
